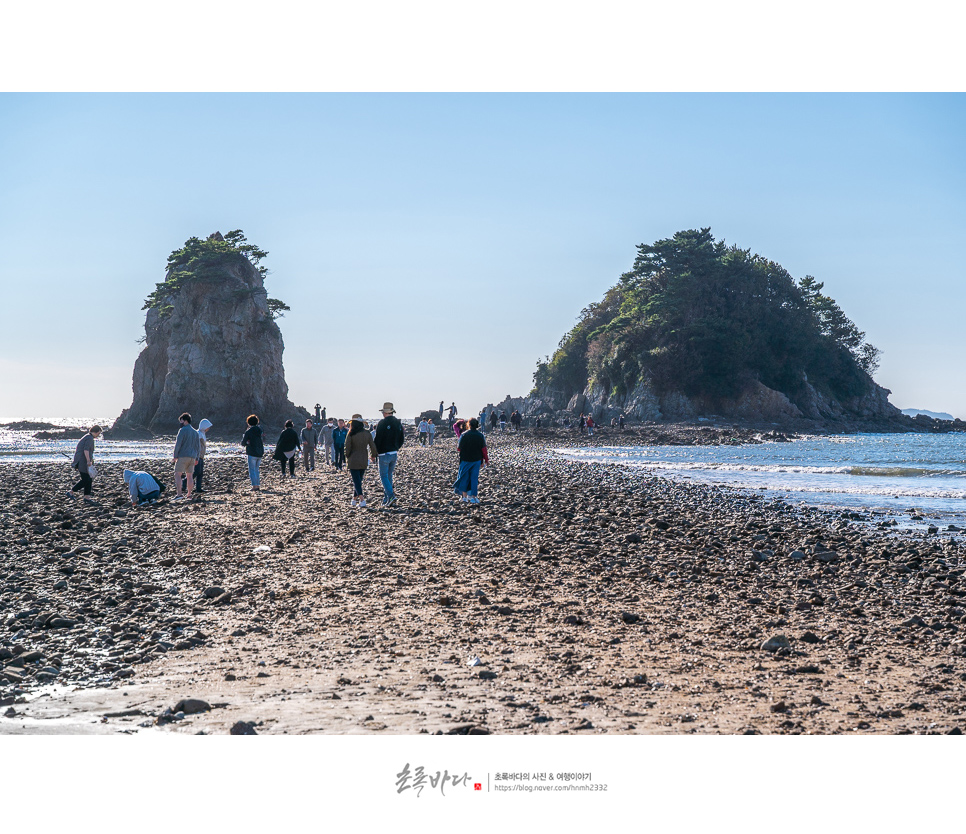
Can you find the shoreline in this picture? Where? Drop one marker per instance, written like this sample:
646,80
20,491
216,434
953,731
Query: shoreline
597,601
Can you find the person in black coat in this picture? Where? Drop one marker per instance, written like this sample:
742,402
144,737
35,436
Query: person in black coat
287,448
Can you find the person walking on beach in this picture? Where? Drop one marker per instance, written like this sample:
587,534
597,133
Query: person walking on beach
423,429
310,439
252,441
389,440
84,461
590,425
359,450
620,422
287,448
338,444
472,454
452,414
493,420
516,420
502,421
199,472
325,433
431,430
187,450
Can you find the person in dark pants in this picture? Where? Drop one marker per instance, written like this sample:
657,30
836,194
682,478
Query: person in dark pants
472,452
287,447
359,450
84,460
338,443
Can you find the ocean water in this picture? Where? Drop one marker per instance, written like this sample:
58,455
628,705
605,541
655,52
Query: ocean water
900,475
21,447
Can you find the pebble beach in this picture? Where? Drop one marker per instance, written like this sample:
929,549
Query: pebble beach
575,598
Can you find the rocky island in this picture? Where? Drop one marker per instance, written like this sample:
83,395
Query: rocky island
212,346
700,329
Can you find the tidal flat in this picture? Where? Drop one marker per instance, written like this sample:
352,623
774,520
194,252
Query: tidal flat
575,598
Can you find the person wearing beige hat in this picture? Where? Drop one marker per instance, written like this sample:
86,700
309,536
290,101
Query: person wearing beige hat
389,440
359,450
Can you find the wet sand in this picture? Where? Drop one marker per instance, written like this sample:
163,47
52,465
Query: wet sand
589,600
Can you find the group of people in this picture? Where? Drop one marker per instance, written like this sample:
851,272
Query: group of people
353,446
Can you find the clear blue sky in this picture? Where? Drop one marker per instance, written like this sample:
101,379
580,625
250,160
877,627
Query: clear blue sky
479,225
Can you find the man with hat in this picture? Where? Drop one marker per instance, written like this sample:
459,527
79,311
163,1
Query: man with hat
389,439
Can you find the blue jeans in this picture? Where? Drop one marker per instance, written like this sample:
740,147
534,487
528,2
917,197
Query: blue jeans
253,470
468,479
153,495
387,464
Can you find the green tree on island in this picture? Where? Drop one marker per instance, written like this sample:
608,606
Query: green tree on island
701,317
201,260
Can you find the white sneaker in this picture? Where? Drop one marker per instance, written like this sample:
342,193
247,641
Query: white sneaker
353,503
362,503
473,500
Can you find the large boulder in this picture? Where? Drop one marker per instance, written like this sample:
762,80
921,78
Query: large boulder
212,349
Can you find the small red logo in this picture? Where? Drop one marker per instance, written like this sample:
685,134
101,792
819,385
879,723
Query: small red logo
477,786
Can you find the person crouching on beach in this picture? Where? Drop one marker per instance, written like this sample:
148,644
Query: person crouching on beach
359,450
187,449
84,461
143,486
472,452
255,447
287,448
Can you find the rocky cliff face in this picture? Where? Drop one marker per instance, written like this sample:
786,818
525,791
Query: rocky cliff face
756,404
212,349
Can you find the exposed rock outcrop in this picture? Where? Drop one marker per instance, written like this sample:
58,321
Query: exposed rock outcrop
755,404
212,349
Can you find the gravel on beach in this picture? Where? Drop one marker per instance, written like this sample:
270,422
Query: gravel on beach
575,598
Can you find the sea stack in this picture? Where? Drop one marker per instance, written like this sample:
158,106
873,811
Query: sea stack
212,346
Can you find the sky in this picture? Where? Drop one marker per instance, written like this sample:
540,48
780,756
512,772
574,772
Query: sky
435,246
